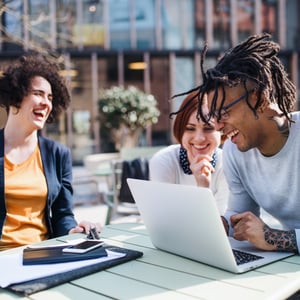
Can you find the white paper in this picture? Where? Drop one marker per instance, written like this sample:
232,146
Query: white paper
13,271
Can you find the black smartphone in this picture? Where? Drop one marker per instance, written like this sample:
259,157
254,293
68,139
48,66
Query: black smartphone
84,246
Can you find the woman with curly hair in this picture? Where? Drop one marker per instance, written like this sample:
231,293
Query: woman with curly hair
35,172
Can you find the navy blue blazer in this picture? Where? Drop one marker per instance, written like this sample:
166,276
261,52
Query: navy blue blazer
57,163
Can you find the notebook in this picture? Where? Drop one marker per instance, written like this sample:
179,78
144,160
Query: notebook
37,256
185,220
116,256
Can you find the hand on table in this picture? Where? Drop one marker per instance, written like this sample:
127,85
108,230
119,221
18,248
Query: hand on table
85,227
247,226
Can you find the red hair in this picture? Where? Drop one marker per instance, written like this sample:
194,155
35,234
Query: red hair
187,107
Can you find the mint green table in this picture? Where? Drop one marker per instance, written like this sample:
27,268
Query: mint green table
160,275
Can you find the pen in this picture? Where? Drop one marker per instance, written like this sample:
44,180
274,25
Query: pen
63,241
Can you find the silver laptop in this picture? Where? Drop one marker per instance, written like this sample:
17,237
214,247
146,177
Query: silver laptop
184,220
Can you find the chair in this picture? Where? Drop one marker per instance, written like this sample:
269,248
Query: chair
99,166
93,161
86,192
133,162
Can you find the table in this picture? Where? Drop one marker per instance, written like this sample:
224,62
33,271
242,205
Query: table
160,275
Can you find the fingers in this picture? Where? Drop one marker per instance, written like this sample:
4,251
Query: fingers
235,219
202,163
245,226
205,171
76,229
203,167
88,226
85,227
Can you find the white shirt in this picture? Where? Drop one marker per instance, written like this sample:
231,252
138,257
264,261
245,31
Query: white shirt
164,166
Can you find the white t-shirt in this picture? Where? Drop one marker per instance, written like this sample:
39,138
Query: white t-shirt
272,183
164,166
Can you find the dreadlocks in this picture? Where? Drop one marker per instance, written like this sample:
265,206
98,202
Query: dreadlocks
253,62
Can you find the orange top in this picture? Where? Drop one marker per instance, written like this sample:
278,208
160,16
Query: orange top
25,199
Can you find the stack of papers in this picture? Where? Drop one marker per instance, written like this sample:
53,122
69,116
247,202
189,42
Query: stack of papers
13,271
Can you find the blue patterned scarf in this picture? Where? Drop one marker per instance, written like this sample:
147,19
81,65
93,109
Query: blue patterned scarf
184,162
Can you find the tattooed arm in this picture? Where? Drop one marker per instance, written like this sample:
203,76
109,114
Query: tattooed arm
249,227
282,240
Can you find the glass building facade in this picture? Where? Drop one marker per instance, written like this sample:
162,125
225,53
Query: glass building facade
100,39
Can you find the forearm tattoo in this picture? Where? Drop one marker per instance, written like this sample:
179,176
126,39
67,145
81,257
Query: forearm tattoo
282,240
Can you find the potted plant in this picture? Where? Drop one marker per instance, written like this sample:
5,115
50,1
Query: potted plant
126,112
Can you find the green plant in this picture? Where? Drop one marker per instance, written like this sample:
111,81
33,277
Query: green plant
130,107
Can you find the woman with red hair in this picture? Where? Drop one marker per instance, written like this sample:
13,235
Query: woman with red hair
197,158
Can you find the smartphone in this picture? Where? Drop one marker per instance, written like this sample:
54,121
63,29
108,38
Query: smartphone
83,247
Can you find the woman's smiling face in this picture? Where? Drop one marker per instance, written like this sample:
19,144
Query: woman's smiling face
37,105
200,138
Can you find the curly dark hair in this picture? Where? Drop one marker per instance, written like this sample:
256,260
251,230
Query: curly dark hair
253,64
15,82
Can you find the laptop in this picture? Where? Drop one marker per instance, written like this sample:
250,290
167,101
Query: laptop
184,220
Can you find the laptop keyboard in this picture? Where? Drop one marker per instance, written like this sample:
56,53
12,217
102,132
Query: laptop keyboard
244,257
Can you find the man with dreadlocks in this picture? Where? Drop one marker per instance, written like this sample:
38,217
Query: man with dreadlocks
252,101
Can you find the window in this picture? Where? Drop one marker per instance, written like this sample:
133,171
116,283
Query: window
221,23
39,19
145,23
66,20
245,19
178,24
12,16
119,24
